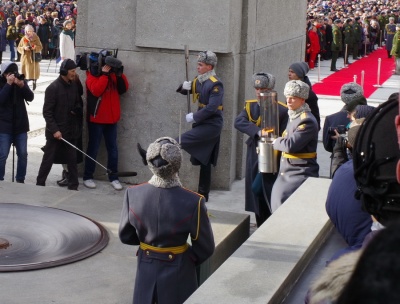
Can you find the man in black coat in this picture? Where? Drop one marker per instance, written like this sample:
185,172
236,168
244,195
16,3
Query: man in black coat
62,111
350,93
14,123
298,71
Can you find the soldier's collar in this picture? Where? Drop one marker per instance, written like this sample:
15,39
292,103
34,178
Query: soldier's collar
205,76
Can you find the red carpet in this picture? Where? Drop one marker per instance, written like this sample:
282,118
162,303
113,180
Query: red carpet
331,85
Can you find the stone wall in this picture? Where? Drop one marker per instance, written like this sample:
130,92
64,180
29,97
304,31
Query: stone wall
248,36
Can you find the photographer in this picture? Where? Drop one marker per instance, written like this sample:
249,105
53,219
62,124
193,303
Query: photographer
14,123
103,114
352,94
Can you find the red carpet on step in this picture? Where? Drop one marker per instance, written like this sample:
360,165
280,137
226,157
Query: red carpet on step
331,85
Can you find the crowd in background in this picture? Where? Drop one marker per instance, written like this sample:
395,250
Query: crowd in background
48,19
365,21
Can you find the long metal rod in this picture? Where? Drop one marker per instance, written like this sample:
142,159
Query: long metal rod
187,76
66,141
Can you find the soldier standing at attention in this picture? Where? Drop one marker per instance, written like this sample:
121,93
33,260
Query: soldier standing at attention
202,141
337,45
159,216
249,123
348,39
298,145
357,32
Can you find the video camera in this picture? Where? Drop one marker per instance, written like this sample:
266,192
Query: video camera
341,129
94,61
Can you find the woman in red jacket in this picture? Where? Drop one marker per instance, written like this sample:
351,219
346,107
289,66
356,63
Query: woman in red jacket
315,47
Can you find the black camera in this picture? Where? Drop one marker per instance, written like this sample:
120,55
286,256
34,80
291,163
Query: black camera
19,76
341,129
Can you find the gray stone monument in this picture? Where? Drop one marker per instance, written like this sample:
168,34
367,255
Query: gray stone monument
247,36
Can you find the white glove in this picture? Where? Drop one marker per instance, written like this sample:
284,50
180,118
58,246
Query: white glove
189,117
187,85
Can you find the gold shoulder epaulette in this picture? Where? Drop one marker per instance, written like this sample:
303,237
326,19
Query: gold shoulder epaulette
251,100
303,115
282,104
213,79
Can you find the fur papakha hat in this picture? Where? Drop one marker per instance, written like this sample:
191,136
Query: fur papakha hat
351,91
263,80
164,157
207,57
296,88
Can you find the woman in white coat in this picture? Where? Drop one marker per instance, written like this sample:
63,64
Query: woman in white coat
67,48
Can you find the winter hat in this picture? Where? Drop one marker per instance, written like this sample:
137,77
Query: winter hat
8,66
351,91
296,88
66,22
362,111
207,57
300,68
263,80
164,157
67,64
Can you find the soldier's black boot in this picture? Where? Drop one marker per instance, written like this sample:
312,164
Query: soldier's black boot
142,153
205,180
64,181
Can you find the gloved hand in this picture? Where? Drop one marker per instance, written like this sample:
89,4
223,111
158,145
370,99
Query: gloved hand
187,85
189,117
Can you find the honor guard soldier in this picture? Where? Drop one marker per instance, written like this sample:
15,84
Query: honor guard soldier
159,216
202,141
298,145
249,123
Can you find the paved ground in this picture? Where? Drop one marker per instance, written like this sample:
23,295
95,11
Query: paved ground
92,201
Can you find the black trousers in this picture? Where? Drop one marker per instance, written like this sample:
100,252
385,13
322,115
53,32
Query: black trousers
205,180
52,145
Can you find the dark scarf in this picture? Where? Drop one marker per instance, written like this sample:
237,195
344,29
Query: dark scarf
69,33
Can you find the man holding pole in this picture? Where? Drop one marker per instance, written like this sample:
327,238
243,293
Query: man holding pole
62,111
202,141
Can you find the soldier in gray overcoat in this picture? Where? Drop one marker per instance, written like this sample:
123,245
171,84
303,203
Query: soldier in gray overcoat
298,145
159,216
202,141
249,123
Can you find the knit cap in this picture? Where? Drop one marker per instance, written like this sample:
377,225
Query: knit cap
351,91
296,88
263,80
362,111
300,68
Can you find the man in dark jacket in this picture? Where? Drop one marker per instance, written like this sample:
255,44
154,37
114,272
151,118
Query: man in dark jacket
350,93
160,216
63,114
249,123
298,71
14,123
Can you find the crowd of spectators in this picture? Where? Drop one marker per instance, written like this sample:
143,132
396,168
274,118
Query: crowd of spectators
371,16
47,17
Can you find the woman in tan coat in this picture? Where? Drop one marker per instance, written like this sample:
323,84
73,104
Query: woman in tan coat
29,45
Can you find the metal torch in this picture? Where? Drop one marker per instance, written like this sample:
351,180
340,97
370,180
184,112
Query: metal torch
267,156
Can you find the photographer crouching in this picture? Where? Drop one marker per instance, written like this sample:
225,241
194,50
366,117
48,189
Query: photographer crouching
14,123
